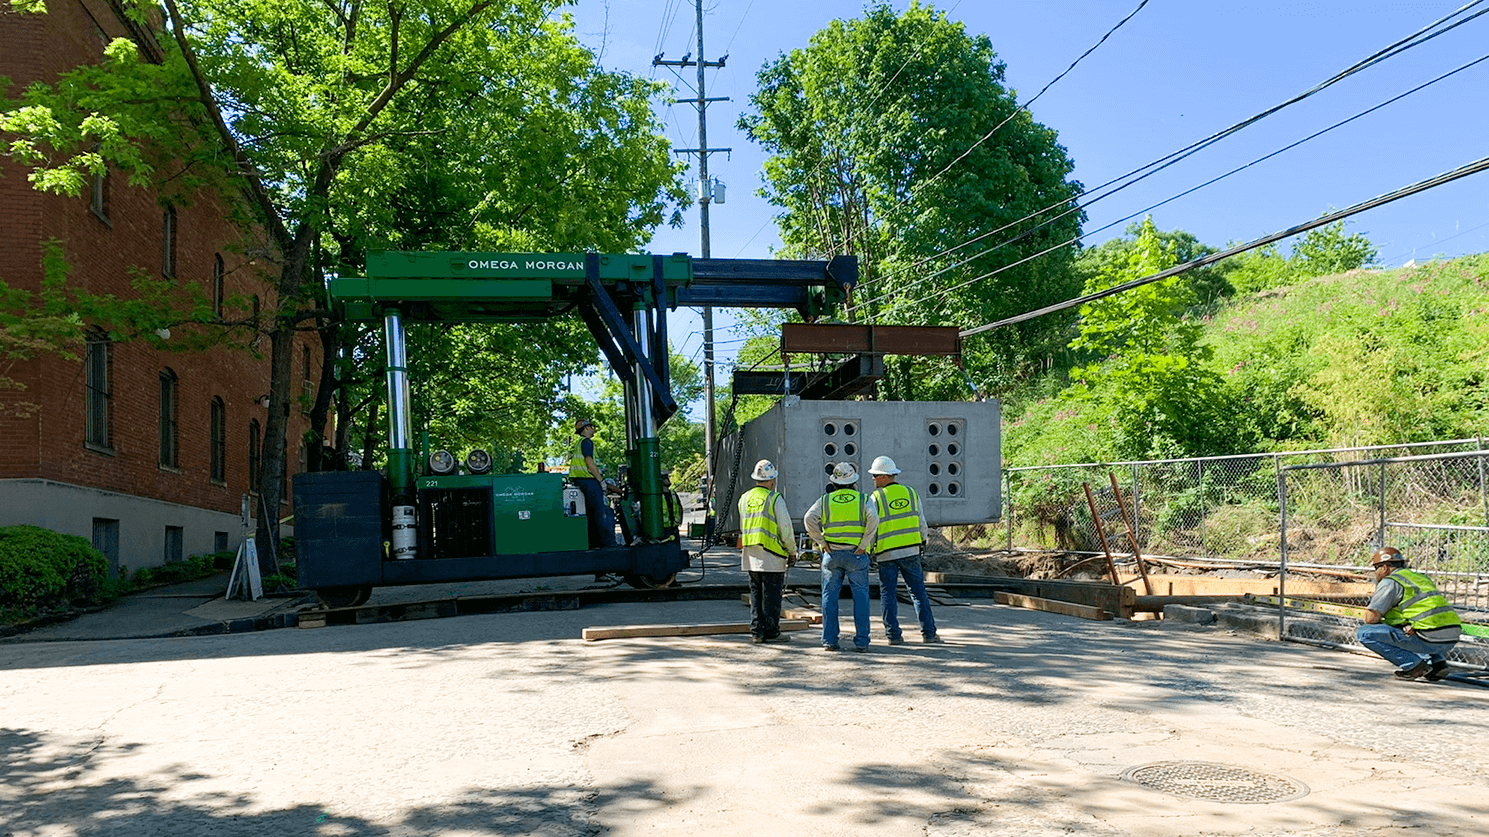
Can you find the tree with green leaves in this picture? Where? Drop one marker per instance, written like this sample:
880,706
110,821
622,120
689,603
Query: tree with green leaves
1147,356
894,137
340,127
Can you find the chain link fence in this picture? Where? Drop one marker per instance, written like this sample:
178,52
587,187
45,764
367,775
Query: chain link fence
1434,508
1308,519
1220,509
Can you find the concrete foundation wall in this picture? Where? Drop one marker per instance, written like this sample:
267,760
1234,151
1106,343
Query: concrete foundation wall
142,522
950,452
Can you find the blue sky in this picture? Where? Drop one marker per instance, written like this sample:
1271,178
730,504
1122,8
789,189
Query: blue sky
1177,72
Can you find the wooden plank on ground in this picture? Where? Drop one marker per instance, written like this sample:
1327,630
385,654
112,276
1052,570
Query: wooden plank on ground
1115,600
1052,606
696,629
811,616
1201,585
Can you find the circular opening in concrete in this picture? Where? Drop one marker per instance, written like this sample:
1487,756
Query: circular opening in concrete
1215,782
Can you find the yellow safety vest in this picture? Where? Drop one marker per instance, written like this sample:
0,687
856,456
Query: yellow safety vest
577,468
1422,605
898,507
842,517
757,521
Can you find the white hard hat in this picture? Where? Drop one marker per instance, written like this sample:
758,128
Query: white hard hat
844,473
765,470
883,465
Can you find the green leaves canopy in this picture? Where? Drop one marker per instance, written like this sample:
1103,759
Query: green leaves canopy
894,138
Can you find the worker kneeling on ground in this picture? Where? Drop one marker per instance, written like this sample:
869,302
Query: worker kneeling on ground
1408,621
843,523
897,547
767,547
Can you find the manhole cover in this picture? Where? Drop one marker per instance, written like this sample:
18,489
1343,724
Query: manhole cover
1215,782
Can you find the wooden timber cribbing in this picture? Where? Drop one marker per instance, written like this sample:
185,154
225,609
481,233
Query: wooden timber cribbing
1116,601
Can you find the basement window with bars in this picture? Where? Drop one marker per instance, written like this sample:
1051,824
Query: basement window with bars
169,423
98,395
219,441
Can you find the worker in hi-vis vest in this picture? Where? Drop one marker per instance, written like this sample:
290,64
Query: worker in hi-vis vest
767,546
843,523
1408,621
897,546
584,472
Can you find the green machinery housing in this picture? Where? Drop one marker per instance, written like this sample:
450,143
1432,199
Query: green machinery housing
359,530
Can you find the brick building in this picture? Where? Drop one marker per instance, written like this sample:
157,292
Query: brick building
146,451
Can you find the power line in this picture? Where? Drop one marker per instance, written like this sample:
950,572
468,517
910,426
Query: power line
1191,190
1143,172
1447,177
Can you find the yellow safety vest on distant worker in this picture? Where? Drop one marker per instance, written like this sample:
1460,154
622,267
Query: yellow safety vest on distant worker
757,521
1422,605
898,507
577,468
842,517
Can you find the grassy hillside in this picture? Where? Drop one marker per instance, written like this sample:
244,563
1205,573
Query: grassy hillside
1362,357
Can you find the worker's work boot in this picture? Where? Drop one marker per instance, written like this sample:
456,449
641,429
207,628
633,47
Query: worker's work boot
1414,672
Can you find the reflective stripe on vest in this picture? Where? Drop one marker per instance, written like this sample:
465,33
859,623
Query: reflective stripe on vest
842,517
757,521
1421,605
898,507
577,468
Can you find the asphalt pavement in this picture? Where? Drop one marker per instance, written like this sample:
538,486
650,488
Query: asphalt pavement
1022,723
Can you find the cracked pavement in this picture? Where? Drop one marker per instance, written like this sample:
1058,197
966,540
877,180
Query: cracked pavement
1023,723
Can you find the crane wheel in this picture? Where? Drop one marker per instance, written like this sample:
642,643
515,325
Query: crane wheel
350,595
646,582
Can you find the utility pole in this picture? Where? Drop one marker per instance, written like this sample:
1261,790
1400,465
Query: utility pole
705,196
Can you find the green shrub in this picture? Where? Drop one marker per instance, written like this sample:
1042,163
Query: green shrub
42,568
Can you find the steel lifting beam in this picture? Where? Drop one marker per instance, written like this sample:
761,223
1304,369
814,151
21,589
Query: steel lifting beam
820,338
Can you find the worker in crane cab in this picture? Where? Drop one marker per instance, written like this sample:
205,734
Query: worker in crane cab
898,544
767,547
585,473
671,507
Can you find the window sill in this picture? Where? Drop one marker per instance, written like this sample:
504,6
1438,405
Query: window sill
106,451
169,469
218,483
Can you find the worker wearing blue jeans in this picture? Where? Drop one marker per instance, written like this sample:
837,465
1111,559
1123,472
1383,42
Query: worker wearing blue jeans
843,523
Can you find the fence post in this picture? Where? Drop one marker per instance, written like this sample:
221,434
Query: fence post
1008,499
1282,561
1380,539
1137,510
1204,509
1483,494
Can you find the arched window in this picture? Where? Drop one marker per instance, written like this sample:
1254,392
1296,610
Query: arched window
169,424
219,440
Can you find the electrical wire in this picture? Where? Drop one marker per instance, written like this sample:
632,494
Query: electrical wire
896,305
1415,39
1444,178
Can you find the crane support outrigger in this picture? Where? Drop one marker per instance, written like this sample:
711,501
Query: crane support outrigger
362,529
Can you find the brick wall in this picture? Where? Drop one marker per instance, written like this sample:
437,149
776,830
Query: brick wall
43,426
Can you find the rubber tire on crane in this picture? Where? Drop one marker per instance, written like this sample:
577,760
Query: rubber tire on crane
641,581
350,595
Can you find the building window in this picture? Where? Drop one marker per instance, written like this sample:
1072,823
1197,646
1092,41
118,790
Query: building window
219,273
169,457
106,540
174,537
168,243
253,454
98,196
307,384
219,441
99,398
